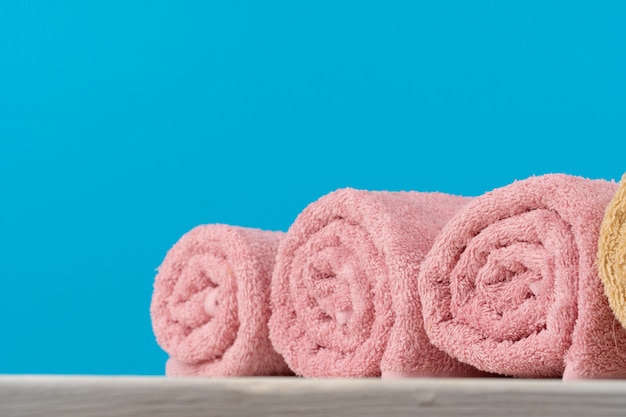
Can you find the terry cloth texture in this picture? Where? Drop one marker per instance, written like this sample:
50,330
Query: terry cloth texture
612,252
344,267
210,304
511,284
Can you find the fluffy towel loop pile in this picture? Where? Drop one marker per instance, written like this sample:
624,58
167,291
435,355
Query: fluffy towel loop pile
612,252
343,268
210,304
511,284
527,280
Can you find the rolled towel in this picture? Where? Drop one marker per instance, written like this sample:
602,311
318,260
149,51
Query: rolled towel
511,284
210,304
612,252
340,271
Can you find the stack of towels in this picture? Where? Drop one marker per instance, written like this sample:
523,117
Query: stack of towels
527,280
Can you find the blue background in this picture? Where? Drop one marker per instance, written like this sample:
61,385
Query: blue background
125,124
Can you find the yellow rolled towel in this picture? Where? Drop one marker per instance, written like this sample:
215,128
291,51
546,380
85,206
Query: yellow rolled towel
612,252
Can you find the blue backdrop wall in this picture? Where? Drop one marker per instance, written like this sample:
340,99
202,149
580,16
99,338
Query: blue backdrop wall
125,124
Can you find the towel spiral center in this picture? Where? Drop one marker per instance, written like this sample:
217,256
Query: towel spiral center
339,269
202,302
511,273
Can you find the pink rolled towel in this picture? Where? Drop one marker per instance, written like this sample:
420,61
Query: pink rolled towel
511,285
210,304
341,269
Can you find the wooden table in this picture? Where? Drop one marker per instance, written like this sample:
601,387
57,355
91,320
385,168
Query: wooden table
92,396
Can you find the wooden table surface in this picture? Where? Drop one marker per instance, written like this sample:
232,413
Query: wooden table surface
62,395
